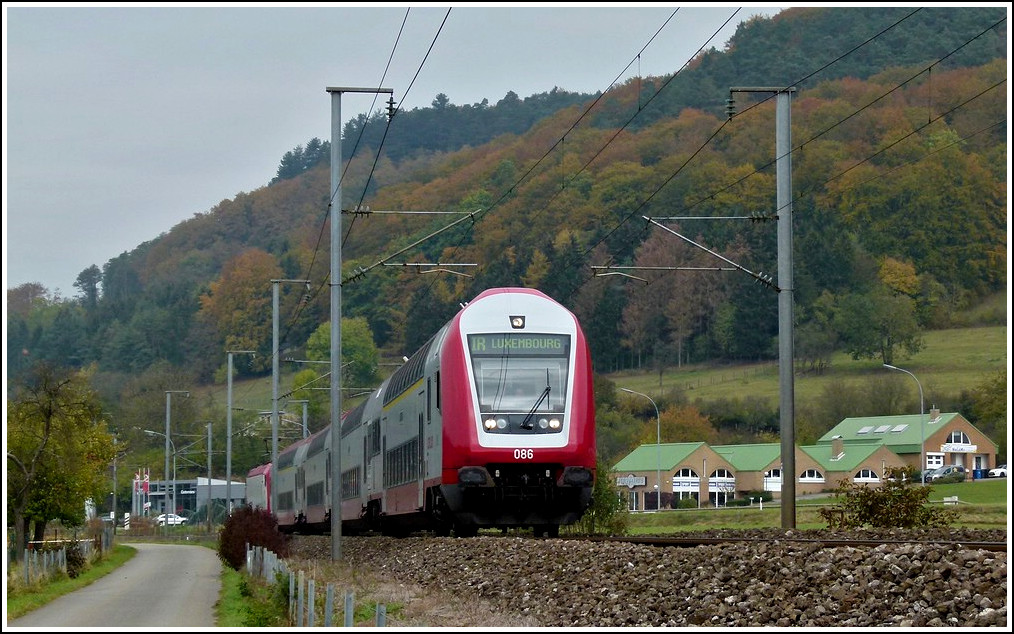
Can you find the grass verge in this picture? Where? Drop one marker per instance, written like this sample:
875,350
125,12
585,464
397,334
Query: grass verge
22,599
982,504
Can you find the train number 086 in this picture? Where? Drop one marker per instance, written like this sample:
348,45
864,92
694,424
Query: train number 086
523,454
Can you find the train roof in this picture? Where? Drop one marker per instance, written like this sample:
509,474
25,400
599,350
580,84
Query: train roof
259,470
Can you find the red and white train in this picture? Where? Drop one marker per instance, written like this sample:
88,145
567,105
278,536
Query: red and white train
491,424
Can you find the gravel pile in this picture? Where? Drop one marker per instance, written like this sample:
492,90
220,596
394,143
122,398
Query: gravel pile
570,583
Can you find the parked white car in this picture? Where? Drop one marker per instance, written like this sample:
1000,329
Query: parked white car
998,472
174,519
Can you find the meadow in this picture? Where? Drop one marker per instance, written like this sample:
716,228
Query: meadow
982,504
950,362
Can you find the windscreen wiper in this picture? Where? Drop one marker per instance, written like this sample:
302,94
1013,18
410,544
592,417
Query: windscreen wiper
527,422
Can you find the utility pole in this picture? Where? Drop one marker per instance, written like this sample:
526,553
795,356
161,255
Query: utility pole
228,434
306,428
336,311
209,477
783,168
168,416
274,376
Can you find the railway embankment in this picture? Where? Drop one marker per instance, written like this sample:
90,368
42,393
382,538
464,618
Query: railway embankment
925,578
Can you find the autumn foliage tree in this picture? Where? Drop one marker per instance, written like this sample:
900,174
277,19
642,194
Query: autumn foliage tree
239,303
58,451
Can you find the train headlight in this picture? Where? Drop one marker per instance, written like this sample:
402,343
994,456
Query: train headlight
543,423
554,423
489,423
501,423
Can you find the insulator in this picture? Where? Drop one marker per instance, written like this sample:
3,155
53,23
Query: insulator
730,107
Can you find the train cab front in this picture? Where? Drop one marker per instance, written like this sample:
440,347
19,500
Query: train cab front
529,423
503,495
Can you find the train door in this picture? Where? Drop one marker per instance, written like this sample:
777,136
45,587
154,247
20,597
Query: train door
299,502
367,472
372,461
421,466
374,464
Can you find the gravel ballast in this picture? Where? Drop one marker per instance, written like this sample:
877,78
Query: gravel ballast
776,582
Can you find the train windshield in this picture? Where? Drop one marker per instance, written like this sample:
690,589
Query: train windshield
519,376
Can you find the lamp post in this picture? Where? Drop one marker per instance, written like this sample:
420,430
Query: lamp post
209,478
168,416
228,434
922,425
114,484
658,448
165,500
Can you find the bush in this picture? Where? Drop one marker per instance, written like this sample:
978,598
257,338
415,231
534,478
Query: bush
607,514
686,503
248,526
899,502
765,496
77,562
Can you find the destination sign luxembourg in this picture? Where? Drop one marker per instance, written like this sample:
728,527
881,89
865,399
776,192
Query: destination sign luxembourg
524,343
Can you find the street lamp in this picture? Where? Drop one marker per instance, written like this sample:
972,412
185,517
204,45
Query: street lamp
228,434
658,448
165,499
168,414
209,478
114,484
922,426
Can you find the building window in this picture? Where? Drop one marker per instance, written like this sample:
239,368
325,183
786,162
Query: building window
773,480
811,475
721,486
866,475
685,481
632,501
958,437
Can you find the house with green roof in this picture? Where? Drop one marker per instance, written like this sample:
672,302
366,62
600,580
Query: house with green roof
827,466
675,470
938,438
758,467
859,450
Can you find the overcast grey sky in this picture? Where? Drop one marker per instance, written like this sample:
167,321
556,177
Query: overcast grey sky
121,121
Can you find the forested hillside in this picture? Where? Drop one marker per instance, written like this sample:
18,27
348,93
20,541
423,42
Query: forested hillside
899,194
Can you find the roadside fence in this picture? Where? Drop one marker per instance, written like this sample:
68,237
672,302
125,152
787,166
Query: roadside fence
261,562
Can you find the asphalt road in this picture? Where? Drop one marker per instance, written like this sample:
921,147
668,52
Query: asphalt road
163,586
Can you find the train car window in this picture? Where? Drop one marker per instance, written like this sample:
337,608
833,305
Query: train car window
351,480
286,458
407,375
317,444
